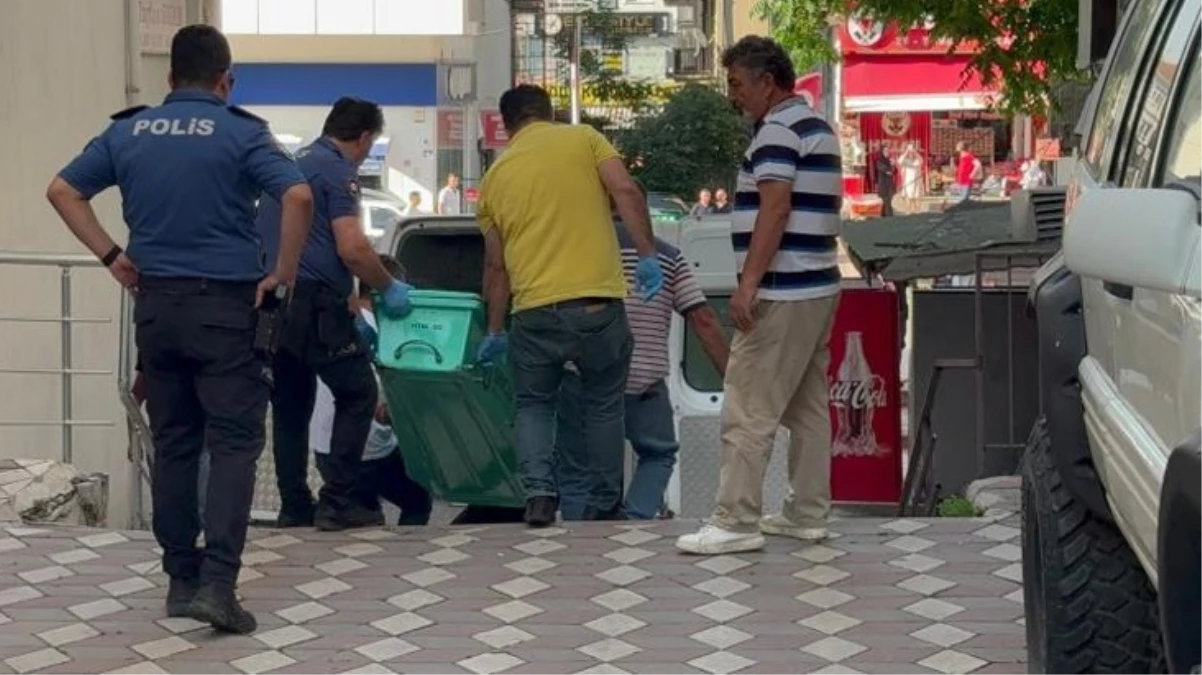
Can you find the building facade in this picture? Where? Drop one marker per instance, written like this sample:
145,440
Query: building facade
433,65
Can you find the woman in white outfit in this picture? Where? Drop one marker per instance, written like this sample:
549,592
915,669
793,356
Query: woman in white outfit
911,170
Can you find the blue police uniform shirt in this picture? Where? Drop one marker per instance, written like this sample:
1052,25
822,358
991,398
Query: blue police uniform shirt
189,172
334,181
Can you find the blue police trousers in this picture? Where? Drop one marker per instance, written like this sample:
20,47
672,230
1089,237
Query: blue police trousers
593,334
319,340
205,386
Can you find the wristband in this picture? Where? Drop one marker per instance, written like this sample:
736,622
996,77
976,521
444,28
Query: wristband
109,257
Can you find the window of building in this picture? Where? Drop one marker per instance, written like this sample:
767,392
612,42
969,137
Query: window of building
287,17
346,17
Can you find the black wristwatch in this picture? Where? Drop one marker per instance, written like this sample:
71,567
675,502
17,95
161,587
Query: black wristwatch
108,258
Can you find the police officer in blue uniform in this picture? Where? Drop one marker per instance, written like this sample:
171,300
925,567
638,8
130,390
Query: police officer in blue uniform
189,171
320,336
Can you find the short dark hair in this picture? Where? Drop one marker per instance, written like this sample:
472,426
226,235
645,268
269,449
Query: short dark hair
762,55
352,117
200,55
523,103
392,266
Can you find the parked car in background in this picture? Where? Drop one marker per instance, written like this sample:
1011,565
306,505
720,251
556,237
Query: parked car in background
381,211
665,207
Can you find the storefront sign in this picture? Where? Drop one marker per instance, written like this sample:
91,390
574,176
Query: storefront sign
626,25
471,195
865,398
158,21
809,88
450,129
865,35
493,128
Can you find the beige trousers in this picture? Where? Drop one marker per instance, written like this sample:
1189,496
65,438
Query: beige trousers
776,377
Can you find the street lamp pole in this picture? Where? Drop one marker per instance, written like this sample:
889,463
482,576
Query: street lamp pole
574,72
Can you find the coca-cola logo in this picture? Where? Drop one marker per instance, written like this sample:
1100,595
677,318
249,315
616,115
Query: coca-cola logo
859,395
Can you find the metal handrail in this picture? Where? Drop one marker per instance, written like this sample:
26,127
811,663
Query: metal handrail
65,262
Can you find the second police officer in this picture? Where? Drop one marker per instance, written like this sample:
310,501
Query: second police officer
189,171
320,337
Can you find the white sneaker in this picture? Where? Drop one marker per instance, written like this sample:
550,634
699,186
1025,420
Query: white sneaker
776,524
713,540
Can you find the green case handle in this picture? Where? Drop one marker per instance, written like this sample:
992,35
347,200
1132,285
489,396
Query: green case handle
418,343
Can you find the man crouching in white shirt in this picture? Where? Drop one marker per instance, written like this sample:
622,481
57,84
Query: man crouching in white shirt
382,473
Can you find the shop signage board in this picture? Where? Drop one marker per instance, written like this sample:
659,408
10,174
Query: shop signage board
450,129
861,34
571,6
492,128
864,380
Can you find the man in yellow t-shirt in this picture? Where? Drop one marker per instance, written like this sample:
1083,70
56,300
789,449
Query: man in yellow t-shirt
550,243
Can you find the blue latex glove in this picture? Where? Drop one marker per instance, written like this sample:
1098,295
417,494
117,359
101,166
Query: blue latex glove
367,334
493,348
648,277
395,300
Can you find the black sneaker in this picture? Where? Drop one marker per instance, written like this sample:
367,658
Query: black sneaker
219,608
616,513
329,520
540,511
179,596
290,519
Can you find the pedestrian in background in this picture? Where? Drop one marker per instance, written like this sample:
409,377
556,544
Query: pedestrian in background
721,201
319,337
703,207
189,171
449,199
785,233
549,242
586,482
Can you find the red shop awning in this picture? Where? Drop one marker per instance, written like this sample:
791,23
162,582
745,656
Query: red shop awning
911,84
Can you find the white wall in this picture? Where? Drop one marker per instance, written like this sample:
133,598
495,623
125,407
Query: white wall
58,93
411,154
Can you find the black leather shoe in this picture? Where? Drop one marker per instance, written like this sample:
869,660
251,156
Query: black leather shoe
329,520
616,513
540,511
218,607
290,519
179,596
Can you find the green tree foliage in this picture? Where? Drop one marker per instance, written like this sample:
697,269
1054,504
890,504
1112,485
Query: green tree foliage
697,140
1026,47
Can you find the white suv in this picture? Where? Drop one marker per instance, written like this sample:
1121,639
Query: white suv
1111,479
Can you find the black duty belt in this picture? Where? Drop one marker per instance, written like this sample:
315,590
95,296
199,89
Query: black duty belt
186,286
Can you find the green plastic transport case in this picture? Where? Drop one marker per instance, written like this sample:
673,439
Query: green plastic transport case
453,418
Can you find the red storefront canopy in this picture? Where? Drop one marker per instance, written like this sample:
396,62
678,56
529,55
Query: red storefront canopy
899,83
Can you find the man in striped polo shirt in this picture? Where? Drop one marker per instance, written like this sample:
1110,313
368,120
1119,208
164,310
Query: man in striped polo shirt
784,229
590,487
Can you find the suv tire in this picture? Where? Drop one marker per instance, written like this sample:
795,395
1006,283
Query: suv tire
1089,605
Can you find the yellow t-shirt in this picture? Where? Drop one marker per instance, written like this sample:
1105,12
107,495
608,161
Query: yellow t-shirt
547,201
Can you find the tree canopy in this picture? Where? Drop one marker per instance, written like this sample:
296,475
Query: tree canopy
696,140
1026,47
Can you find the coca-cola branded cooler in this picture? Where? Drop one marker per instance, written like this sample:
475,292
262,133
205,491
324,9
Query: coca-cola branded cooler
865,392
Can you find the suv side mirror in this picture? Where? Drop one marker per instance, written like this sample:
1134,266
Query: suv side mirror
1136,238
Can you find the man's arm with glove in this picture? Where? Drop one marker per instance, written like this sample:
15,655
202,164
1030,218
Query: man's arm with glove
632,208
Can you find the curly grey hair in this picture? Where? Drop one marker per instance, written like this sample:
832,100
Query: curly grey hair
762,55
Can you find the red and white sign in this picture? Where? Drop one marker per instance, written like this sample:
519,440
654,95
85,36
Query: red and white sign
865,397
493,129
471,195
861,35
809,87
450,129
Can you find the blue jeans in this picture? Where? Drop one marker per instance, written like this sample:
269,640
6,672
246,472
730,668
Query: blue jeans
651,430
594,335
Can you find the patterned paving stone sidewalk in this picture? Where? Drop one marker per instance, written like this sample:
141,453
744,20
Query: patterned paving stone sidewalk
882,596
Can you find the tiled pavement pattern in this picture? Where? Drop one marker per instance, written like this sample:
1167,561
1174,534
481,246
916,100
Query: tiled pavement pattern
887,596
